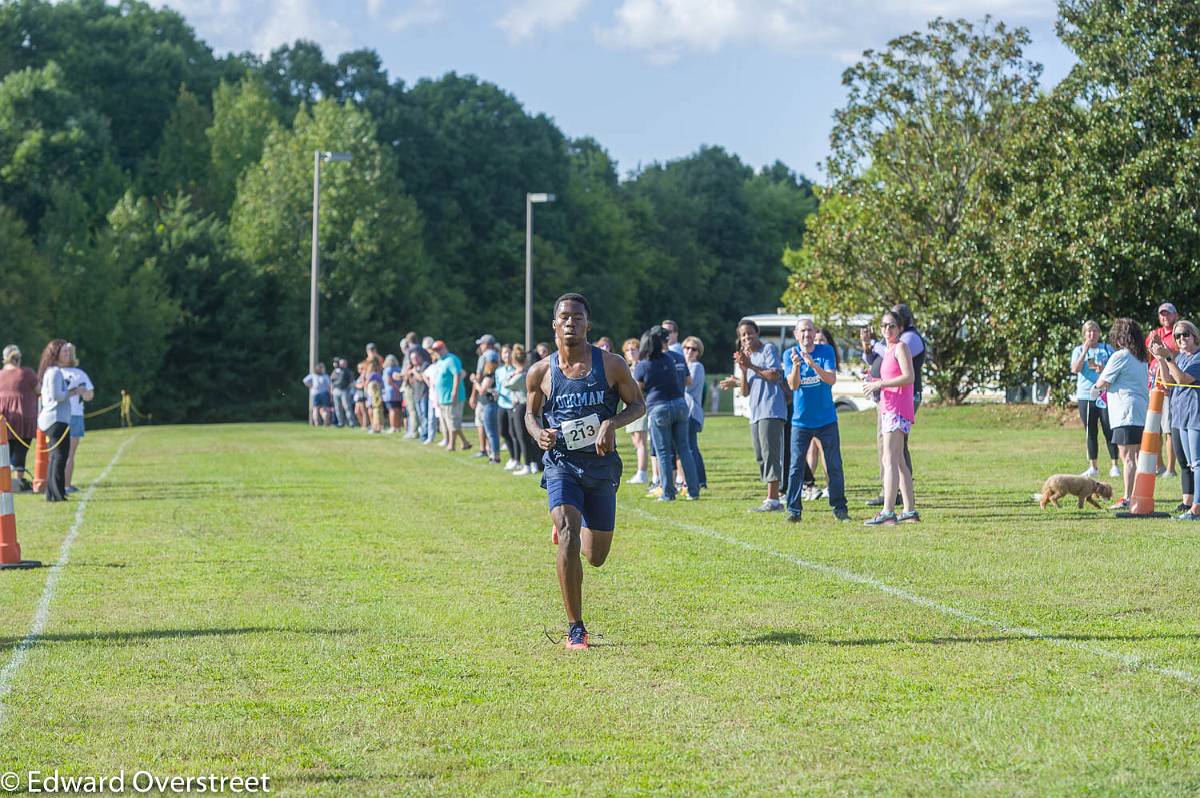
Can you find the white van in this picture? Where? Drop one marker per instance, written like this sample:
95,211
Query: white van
778,328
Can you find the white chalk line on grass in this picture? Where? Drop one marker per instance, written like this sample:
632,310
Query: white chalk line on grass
42,615
1130,661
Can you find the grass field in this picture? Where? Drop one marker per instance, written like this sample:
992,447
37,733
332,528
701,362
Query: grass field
360,615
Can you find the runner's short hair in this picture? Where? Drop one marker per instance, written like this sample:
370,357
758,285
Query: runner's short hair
573,297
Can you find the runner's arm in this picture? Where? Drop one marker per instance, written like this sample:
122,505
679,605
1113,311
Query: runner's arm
533,409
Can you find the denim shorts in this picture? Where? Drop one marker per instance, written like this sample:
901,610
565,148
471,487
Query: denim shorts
76,426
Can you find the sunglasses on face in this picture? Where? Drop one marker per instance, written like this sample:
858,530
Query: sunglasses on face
690,349
887,325
1183,334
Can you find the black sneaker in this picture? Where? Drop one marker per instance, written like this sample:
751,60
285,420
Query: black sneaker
793,518
1182,508
841,515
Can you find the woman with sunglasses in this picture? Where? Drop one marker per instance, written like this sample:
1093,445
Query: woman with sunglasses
896,414
1184,369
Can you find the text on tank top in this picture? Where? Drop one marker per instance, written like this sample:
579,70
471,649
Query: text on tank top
574,399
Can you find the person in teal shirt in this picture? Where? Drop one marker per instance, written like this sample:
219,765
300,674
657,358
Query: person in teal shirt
452,392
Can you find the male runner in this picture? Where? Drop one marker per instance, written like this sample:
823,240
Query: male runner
572,414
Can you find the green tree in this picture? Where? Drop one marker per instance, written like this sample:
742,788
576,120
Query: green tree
27,297
914,219
243,117
1101,185
182,161
374,273
48,137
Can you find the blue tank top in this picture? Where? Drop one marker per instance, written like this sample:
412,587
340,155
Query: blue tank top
574,399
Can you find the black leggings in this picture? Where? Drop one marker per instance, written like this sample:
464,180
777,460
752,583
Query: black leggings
1185,471
18,453
1095,419
526,448
506,432
56,476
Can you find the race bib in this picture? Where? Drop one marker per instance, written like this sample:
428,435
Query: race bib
581,432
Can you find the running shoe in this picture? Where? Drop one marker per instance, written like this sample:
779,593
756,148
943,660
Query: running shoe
638,479
876,502
480,454
1115,471
577,637
510,465
768,506
1188,516
522,471
841,515
1182,507
794,518
1092,472
881,519
654,493
1120,504
910,518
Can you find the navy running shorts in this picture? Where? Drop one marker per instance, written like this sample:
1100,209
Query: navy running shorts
596,499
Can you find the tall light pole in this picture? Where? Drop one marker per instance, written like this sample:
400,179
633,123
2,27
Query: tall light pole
318,158
530,199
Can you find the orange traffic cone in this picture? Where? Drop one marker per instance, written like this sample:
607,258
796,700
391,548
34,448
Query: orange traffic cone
41,462
10,550
1141,504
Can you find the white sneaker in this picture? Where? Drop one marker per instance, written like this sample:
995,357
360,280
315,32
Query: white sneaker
768,506
1162,469
1092,472
510,465
638,479
1115,471
521,472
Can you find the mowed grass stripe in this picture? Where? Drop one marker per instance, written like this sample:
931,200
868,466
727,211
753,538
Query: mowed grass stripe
42,614
362,615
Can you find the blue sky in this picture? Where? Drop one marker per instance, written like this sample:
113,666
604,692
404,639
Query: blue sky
651,80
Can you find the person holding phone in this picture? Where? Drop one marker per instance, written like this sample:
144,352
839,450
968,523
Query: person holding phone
54,418
811,374
1183,368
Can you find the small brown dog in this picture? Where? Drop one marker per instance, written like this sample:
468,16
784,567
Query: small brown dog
1084,488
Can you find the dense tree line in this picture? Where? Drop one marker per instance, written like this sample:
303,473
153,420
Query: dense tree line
1008,216
155,208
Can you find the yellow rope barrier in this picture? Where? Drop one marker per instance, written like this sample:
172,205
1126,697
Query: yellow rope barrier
29,444
111,407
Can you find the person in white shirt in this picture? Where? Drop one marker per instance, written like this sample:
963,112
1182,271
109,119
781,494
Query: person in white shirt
76,378
54,418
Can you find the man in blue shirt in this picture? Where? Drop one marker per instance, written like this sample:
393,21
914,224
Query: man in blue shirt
811,370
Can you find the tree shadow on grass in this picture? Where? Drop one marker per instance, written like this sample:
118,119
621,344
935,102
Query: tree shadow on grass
128,637
801,639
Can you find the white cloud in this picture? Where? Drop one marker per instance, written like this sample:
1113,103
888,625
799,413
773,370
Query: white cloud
527,17
420,12
665,30
258,26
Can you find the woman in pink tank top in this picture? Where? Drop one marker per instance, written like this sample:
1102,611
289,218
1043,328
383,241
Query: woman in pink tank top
896,415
